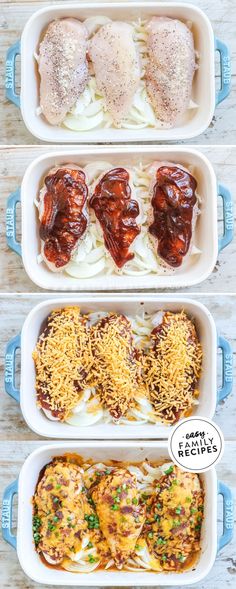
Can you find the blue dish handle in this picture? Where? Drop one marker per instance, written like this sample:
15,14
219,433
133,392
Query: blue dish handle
227,369
12,201
225,71
228,515
10,355
10,82
228,217
7,506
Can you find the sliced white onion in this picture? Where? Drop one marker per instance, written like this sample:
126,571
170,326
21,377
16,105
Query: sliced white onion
82,102
84,270
83,123
49,415
85,418
93,23
51,560
135,470
81,567
94,169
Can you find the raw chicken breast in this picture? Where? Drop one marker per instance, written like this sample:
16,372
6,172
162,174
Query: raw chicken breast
116,66
63,67
170,69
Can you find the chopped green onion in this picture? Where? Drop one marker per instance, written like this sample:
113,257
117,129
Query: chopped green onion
169,470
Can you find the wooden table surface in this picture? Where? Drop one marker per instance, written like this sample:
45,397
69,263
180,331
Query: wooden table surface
12,456
13,163
13,16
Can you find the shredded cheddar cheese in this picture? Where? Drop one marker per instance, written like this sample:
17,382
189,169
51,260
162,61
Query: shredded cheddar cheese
63,360
115,368
173,366
101,367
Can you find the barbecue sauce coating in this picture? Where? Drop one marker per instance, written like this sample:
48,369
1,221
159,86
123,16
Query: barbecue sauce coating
116,212
63,221
173,201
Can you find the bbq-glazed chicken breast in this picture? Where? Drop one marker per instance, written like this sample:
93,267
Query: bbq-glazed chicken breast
62,67
173,527
120,514
116,212
63,362
170,68
173,367
115,369
62,215
59,508
116,65
174,211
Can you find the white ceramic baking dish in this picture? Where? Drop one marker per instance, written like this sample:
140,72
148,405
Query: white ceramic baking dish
195,269
130,305
204,93
37,571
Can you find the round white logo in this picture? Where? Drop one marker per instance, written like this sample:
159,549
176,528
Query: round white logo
196,444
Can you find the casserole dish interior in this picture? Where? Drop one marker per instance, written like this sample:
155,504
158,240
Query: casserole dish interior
37,420
194,269
203,93
33,566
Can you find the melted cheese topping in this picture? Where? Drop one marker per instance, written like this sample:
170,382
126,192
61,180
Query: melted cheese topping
117,514
173,527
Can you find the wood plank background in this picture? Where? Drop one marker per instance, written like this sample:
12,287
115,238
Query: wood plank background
12,456
13,16
13,163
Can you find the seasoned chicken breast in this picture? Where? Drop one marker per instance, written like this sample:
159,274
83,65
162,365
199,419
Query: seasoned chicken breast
120,514
116,66
59,511
115,372
173,528
62,67
170,68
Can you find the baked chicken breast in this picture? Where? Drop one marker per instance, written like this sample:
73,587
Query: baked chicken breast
173,528
116,65
59,511
170,68
120,514
62,67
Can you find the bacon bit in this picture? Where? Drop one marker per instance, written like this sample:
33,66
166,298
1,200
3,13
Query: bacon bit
49,487
116,212
126,509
